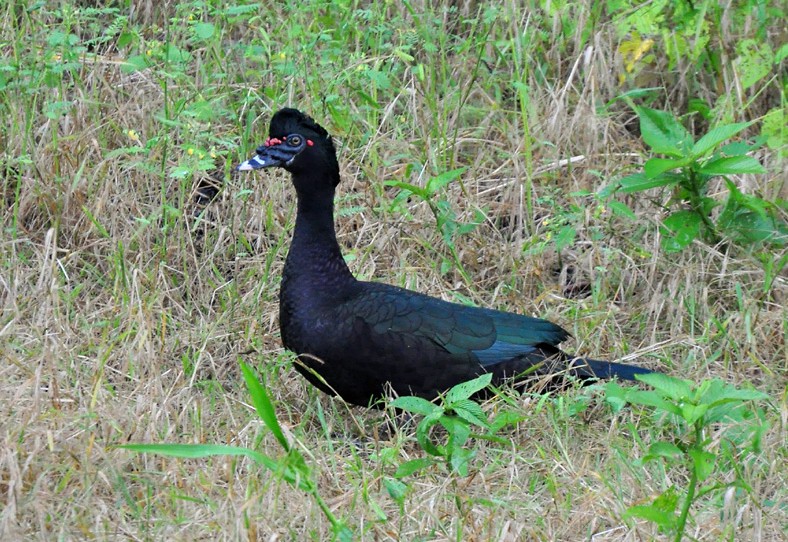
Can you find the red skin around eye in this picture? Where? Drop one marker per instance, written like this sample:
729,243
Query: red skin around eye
271,141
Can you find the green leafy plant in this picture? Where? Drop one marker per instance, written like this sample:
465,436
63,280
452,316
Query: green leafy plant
445,216
291,467
457,414
711,426
688,168
567,218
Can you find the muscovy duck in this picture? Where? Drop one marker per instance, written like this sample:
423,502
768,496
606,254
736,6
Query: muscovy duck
355,338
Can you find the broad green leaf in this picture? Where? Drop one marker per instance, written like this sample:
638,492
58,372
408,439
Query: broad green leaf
423,433
465,390
781,54
616,395
639,182
675,388
702,462
436,183
708,204
666,450
740,395
666,520
697,105
459,430
416,190
748,226
653,399
177,55
715,136
460,459
728,412
124,39
621,209
506,418
470,411
397,490
719,392
692,413
578,405
416,405
737,148
608,190
656,166
262,404
134,63
380,515
750,219
490,437
679,230
204,31
732,165
409,467
663,132
661,511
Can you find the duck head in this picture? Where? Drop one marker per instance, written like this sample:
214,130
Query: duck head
299,145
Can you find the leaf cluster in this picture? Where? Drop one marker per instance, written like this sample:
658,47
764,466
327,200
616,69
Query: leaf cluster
687,167
457,414
693,412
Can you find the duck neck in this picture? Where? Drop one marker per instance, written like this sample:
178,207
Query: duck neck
315,259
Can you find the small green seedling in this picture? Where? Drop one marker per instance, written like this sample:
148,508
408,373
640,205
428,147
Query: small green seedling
705,420
457,414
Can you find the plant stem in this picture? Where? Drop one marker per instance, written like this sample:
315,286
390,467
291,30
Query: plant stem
696,202
686,506
449,243
693,484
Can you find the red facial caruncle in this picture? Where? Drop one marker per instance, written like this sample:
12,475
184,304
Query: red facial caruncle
271,141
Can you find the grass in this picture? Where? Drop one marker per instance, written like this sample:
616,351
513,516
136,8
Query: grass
125,306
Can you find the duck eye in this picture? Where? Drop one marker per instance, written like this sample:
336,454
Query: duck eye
294,140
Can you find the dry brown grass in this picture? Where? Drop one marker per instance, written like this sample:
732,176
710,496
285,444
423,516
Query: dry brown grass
122,323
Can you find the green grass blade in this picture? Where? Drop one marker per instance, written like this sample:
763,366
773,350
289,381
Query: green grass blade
196,451
262,403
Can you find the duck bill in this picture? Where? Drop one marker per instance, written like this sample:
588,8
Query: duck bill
260,161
